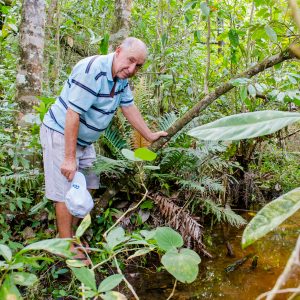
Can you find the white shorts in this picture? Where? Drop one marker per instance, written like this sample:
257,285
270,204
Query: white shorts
57,185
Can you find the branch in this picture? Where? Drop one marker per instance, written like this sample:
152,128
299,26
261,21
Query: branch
221,90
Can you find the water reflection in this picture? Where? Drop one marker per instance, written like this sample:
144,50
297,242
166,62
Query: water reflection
244,283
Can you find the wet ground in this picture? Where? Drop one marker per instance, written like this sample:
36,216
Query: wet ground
244,283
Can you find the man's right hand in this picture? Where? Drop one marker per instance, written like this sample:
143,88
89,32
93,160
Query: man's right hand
68,168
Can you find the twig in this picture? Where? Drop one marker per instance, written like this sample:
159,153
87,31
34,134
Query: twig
173,291
126,281
294,259
290,290
128,210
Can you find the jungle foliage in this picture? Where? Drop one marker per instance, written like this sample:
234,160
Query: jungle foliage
194,47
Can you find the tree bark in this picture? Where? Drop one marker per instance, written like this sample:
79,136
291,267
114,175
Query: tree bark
30,72
220,90
121,26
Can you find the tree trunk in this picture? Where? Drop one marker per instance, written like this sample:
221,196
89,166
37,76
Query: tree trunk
221,90
32,32
121,26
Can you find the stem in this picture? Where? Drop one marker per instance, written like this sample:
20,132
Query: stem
130,209
126,281
173,291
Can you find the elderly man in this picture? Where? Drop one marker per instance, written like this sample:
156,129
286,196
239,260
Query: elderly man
95,89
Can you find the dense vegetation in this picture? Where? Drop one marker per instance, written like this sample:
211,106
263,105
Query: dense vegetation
194,48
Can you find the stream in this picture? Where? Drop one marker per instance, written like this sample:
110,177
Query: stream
213,282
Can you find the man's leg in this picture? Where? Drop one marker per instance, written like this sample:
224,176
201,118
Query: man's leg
64,220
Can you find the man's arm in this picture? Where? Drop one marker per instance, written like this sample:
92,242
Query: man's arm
69,165
133,115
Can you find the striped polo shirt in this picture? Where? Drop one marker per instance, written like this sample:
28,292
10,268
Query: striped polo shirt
87,92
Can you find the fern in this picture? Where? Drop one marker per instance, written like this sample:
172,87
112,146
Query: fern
108,166
112,139
222,214
191,185
167,121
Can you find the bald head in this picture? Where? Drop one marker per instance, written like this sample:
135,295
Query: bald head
129,58
134,43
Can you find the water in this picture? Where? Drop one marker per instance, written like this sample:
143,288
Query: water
213,282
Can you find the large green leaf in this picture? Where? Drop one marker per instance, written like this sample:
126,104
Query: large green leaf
24,278
116,237
9,291
145,154
55,246
86,276
182,264
85,223
5,252
113,296
110,282
270,216
167,238
130,155
244,126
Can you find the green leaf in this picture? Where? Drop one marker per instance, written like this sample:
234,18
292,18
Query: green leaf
245,126
55,246
280,96
145,154
116,237
251,90
5,252
182,264
24,278
75,263
204,8
110,282
86,276
271,33
139,253
130,155
270,216
9,291
84,225
167,238
164,39
197,36
104,44
148,234
233,37
239,81
113,296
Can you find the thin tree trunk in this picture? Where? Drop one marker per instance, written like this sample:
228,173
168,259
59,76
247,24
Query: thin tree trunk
30,72
121,26
220,90
208,54
52,10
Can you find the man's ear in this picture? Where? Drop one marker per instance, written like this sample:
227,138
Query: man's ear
118,50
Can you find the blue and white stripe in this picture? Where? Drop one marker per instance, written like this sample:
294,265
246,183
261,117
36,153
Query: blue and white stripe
87,92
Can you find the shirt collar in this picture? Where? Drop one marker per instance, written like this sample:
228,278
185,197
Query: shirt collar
110,58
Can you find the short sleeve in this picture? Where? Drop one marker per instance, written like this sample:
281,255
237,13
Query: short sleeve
126,96
83,92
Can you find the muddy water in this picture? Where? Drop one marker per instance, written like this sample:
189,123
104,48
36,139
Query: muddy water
245,283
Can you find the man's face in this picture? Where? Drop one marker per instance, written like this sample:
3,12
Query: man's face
127,62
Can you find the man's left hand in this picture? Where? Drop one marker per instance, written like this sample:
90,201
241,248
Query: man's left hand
156,135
